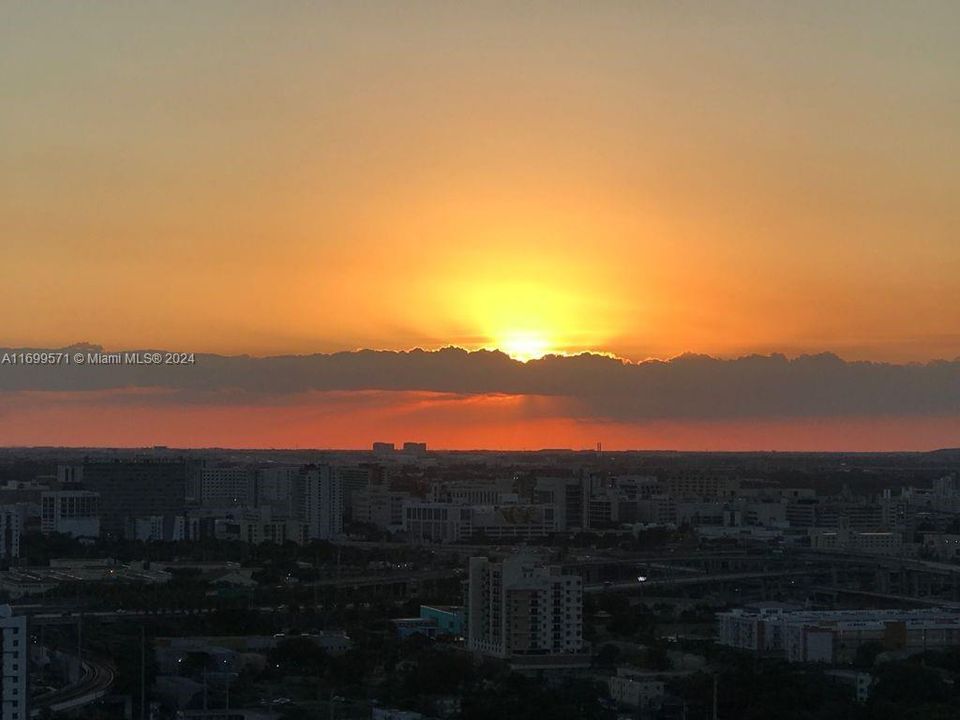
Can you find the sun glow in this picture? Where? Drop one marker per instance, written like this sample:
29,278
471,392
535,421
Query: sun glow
524,346
522,314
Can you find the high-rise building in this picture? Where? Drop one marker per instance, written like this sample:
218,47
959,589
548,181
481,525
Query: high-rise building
323,502
225,486
14,699
135,488
11,523
277,489
352,480
526,612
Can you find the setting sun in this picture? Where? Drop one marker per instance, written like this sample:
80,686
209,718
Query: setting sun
524,346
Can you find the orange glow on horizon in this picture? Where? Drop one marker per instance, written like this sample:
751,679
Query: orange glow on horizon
353,420
638,180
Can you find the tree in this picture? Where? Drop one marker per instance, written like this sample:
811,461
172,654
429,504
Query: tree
608,655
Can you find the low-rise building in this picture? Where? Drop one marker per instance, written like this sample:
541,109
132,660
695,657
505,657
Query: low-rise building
833,636
633,688
873,543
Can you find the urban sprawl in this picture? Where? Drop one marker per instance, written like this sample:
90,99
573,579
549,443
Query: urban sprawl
404,583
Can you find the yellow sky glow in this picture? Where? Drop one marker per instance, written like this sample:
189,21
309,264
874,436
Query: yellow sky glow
639,178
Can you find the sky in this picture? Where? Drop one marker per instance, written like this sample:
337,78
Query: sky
638,179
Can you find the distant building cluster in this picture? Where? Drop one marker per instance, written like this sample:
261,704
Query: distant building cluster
169,499
834,636
499,552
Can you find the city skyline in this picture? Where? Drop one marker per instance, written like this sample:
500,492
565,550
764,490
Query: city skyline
488,360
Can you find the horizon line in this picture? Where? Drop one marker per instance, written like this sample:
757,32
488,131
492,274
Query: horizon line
554,354
400,451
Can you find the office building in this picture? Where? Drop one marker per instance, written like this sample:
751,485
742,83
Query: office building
70,512
379,505
225,486
131,489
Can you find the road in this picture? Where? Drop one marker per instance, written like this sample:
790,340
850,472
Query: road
699,580
95,681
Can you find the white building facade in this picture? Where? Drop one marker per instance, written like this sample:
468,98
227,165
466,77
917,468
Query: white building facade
519,609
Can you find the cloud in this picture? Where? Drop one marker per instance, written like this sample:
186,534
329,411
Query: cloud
588,387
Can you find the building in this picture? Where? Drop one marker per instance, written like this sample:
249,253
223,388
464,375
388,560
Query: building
636,689
432,522
415,448
408,627
323,502
379,505
384,448
833,636
525,612
514,522
571,498
130,489
70,512
225,486
11,523
352,481
843,540
466,493
260,526
698,485
14,644
447,618
160,528
657,510
277,489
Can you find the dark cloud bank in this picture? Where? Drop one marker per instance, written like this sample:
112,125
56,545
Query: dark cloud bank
689,386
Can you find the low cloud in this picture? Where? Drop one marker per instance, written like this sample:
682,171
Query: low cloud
594,387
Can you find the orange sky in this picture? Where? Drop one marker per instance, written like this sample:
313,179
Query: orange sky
643,179
640,178
355,420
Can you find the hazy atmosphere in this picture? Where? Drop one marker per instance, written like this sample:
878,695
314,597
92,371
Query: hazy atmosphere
635,179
